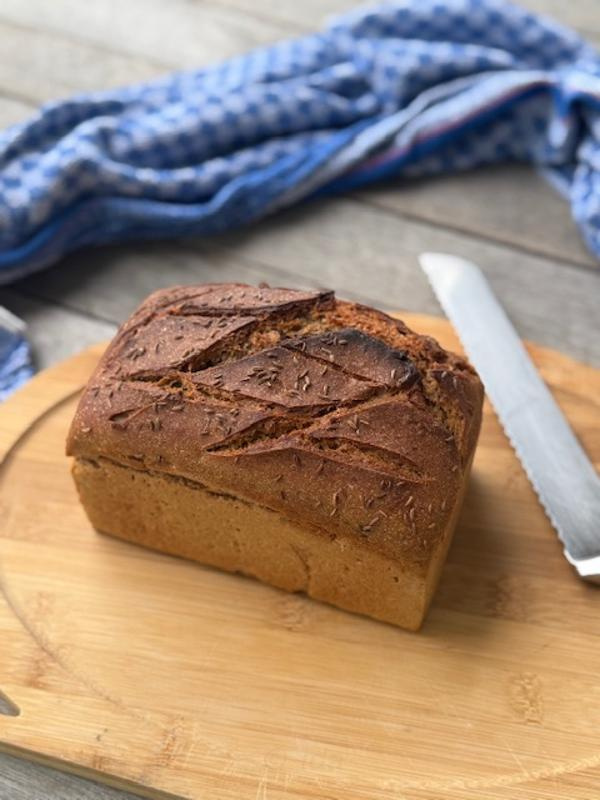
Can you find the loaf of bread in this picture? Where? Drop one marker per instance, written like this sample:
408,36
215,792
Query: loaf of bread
318,445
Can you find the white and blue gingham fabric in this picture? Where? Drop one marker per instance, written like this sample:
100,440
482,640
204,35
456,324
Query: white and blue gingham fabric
407,88
15,357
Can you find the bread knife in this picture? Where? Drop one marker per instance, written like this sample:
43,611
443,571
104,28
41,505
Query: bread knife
559,470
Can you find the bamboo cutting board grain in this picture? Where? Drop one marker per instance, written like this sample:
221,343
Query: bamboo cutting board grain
144,670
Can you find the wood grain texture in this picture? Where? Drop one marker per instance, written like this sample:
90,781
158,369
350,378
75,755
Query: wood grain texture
55,332
581,15
177,34
12,110
40,67
489,203
520,238
54,49
108,21
375,253
23,780
185,680
364,253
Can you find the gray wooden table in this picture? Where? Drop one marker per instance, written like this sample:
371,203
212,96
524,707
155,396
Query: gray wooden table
365,245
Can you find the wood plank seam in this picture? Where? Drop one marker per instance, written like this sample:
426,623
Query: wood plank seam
485,238
291,27
60,304
475,235
527,740
11,94
164,66
294,25
517,247
271,272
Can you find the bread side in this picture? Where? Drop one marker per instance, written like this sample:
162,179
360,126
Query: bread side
332,415
182,518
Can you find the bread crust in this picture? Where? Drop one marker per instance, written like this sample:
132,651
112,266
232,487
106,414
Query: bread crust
330,414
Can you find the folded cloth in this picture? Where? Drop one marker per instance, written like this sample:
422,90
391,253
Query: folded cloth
15,359
402,89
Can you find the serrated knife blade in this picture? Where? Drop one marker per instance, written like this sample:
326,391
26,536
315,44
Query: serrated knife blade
562,475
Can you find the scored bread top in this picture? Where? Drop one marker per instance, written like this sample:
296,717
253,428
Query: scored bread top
331,413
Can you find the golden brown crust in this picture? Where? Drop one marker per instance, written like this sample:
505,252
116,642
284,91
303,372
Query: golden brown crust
180,517
330,413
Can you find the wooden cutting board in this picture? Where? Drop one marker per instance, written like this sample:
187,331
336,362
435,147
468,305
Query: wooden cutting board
142,670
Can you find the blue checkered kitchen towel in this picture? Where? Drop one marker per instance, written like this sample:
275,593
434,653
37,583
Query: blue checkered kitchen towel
402,89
